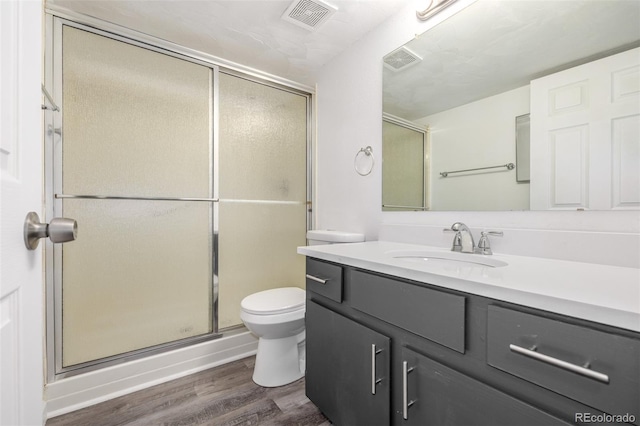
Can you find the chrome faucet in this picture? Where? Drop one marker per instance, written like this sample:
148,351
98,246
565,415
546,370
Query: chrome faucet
463,239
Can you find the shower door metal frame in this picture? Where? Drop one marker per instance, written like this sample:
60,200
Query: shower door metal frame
54,196
426,162
54,22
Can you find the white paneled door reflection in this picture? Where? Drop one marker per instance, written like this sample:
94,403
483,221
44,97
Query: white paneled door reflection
585,151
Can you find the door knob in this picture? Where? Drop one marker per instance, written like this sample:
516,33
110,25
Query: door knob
59,230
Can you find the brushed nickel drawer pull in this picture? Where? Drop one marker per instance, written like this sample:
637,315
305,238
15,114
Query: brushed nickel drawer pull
374,381
316,279
406,403
531,353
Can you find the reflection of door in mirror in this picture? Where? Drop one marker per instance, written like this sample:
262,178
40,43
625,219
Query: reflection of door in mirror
585,122
404,168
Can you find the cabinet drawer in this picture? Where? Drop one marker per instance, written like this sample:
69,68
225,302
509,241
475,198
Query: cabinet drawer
432,314
530,346
325,279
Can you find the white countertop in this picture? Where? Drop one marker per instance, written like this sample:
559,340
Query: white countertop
600,293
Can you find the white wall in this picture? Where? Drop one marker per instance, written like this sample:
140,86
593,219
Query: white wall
349,117
487,138
349,108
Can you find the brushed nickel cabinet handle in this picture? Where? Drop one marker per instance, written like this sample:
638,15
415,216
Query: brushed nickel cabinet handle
406,403
316,279
583,371
374,380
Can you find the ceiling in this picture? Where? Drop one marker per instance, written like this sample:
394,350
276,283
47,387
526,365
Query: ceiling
246,32
497,45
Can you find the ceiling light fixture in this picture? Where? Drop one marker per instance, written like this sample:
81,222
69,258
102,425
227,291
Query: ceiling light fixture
435,6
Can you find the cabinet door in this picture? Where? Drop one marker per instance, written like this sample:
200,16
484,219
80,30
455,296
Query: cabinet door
438,395
347,368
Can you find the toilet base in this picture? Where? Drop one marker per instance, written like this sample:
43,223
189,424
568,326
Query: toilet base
277,362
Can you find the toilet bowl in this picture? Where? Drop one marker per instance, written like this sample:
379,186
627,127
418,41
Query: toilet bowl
276,317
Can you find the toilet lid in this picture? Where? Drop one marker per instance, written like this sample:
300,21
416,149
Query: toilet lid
277,300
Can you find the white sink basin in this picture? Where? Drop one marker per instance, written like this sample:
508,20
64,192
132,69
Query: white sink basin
435,256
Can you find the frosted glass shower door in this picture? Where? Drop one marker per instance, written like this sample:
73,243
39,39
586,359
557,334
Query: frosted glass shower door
263,191
136,126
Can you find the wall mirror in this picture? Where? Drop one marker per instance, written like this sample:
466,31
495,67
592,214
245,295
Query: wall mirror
571,67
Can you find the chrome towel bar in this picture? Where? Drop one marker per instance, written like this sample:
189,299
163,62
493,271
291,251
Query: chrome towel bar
509,166
391,206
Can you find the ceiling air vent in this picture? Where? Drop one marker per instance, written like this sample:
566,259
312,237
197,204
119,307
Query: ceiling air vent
401,59
308,14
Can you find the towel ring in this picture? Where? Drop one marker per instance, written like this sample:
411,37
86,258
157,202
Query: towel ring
368,151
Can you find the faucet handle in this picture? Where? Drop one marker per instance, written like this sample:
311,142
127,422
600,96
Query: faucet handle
484,246
496,233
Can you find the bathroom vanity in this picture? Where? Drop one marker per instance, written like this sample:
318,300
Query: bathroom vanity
420,340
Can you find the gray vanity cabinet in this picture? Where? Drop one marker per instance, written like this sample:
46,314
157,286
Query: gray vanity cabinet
347,373
391,351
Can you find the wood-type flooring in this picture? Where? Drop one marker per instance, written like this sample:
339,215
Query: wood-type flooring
220,396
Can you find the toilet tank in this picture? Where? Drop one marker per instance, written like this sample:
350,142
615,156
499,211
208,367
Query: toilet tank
318,237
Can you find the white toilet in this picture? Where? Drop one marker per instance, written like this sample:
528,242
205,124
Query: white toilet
276,317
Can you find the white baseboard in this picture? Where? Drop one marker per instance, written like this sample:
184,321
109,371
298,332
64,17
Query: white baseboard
74,393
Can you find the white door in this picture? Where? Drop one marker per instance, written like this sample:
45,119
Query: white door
21,273
585,136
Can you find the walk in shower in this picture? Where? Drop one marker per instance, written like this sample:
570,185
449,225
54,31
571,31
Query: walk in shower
189,184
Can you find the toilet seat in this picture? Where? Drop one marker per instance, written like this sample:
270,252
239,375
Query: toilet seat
274,301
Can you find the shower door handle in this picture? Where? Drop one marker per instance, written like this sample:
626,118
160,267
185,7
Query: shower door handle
59,230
